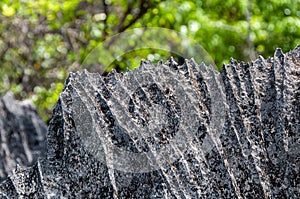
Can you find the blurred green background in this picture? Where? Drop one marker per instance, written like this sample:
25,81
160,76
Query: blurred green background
41,41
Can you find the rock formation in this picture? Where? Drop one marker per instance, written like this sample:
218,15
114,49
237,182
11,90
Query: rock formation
173,131
22,135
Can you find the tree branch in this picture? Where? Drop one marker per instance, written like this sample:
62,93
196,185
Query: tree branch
143,7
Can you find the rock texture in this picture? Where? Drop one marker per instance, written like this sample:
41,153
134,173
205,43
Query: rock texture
22,135
173,132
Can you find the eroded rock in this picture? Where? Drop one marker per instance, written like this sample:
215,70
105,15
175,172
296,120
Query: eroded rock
23,135
173,131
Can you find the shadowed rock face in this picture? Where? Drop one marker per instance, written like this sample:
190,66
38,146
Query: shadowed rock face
173,132
22,135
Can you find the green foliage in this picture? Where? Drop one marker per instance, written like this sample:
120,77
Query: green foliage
41,41
46,97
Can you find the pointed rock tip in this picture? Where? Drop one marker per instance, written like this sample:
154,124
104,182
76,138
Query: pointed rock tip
84,73
297,48
160,63
188,61
278,53
193,61
18,168
112,72
261,58
233,61
145,62
171,62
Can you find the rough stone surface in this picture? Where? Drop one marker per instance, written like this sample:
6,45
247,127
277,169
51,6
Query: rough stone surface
22,135
233,134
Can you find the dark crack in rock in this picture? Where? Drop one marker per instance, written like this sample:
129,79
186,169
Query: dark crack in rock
173,131
22,135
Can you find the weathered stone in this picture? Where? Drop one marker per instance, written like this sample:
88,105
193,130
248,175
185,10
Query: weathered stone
23,135
173,132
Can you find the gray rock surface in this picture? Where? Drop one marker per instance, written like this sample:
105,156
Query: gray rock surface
173,132
22,135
